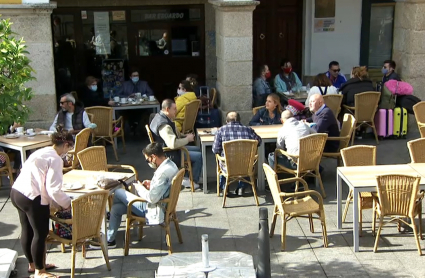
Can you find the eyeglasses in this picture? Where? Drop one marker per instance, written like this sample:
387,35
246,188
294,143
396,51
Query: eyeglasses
62,102
337,70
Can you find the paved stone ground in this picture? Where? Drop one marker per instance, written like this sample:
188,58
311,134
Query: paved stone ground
235,229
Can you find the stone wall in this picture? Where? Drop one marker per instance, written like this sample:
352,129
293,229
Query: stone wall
33,24
409,42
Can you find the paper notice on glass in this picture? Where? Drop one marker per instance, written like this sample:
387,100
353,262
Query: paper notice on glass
118,15
324,25
83,14
102,39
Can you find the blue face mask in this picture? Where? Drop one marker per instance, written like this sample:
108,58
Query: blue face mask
135,79
93,88
384,71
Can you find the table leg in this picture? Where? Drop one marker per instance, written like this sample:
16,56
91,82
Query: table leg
356,220
23,156
204,169
260,175
338,201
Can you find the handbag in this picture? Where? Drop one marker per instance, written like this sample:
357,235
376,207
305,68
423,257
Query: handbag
107,184
63,230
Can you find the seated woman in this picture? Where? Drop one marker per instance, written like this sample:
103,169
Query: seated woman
321,85
261,88
270,114
287,80
90,94
185,95
359,83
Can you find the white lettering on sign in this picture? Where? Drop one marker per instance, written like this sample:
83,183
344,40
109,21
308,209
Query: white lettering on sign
160,16
35,1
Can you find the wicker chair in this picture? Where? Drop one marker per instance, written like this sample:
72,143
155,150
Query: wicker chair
239,159
106,126
419,111
291,205
364,110
399,199
186,163
190,114
88,212
344,138
170,215
6,170
213,96
417,150
360,155
308,160
81,141
91,117
334,103
255,109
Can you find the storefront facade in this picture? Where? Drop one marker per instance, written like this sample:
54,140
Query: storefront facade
223,42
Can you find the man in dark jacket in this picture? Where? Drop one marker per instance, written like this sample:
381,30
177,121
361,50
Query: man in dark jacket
324,121
72,116
135,85
388,70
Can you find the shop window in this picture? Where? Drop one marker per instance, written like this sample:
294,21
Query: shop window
153,42
381,34
185,41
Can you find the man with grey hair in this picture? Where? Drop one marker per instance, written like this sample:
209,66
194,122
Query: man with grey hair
288,138
72,116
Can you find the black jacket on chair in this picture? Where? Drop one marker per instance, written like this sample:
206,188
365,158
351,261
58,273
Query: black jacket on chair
355,86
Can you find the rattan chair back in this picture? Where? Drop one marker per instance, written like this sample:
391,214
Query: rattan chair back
255,109
311,150
190,114
347,130
361,155
417,150
240,157
150,135
419,111
176,186
81,142
93,159
366,105
334,103
103,120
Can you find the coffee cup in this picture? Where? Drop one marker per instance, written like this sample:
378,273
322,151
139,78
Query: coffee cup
20,129
138,95
117,99
123,100
151,98
30,130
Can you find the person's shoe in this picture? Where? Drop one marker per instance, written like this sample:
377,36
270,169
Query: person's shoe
96,245
359,135
186,182
239,191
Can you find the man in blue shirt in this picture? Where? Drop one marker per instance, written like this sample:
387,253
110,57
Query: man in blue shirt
334,75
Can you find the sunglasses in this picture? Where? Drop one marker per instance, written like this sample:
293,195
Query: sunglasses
337,70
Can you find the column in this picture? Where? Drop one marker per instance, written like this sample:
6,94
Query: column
234,55
33,23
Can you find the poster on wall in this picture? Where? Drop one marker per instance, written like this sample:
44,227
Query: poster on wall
324,8
112,76
101,38
324,25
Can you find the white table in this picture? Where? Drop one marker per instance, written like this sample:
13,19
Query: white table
189,264
144,105
84,177
25,143
363,179
268,134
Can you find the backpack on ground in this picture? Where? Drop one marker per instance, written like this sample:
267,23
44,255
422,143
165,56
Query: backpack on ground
407,102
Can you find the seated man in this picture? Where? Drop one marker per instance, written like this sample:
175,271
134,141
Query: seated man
151,190
72,116
324,121
233,130
164,131
134,85
289,137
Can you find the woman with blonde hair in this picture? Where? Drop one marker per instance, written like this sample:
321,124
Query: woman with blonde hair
270,113
359,83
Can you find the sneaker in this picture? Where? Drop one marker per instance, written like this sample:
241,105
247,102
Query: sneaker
186,183
96,245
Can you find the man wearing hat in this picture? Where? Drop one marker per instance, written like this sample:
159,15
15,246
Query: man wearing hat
290,133
297,109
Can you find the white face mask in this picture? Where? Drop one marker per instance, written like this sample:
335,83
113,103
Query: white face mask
152,165
180,92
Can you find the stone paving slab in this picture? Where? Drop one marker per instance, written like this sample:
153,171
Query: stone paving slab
235,228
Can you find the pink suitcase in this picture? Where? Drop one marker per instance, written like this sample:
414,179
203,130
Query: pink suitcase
384,122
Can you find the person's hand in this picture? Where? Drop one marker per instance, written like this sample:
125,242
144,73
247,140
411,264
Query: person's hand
111,103
146,184
190,137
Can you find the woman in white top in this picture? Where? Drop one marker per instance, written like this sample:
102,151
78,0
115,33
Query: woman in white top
38,186
321,85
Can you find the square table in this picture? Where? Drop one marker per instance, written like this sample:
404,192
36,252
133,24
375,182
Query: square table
84,177
144,105
268,134
24,143
363,179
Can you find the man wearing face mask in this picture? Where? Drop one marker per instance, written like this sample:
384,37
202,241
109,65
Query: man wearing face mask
287,81
185,95
135,85
91,95
261,88
388,70
150,190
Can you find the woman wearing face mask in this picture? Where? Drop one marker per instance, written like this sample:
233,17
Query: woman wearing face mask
37,187
270,113
91,95
185,95
261,88
287,81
